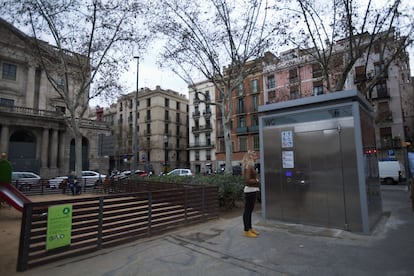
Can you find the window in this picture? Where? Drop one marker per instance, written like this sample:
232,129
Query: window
6,102
208,139
208,155
271,83
60,82
196,140
240,90
243,144
167,102
254,86
293,75
255,103
166,115
241,106
256,144
316,70
149,102
120,106
360,73
9,71
317,88
177,106
197,155
148,115
294,92
242,121
380,69
255,120
222,147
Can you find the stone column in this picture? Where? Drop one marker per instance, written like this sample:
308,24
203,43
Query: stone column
54,149
4,140
45,148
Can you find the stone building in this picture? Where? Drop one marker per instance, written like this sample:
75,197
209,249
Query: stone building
33,131
162,130
202,131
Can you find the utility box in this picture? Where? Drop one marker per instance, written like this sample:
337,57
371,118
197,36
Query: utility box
319,162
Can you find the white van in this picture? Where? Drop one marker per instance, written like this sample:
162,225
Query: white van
390,171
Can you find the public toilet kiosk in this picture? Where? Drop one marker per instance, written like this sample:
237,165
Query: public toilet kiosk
319,163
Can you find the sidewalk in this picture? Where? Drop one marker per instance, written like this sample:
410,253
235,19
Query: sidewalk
218,248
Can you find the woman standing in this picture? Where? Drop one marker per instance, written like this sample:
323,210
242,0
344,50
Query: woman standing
250,192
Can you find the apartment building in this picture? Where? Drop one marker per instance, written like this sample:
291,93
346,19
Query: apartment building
202,131
33,132
295,74
162,130
245,119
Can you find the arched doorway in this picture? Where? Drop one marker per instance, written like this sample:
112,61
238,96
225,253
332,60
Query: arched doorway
85,150
22,151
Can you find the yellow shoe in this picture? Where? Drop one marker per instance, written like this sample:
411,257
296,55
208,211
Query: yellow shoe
254,231
249,234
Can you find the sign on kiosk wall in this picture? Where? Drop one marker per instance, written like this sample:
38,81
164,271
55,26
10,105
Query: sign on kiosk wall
59,226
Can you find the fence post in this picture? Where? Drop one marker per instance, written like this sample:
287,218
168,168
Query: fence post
186,204
149,213
24,244
100,222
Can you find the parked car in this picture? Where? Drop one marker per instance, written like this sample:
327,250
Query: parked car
89,178
180,172
141,173
390,171
25,180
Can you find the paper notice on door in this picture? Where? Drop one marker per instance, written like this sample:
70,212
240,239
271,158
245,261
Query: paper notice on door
288,160
287,139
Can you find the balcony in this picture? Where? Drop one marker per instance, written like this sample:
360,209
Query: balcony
380,93
384,117
196,114
201,145
254,129
241,130
293,80
205,128
207,113
359,78
30,111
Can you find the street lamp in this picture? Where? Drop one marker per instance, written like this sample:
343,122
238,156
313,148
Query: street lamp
135,164
165,152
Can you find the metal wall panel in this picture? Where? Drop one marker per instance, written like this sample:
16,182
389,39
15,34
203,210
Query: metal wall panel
314,191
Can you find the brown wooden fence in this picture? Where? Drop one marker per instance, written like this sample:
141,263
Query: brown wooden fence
141,210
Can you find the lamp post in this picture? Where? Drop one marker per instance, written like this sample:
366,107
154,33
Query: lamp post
165,152
135,164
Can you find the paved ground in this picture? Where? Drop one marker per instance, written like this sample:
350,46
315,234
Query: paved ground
218,248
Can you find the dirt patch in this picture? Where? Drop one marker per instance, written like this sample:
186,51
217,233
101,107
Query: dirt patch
10,221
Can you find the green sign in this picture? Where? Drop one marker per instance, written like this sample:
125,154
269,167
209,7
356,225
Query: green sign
59,226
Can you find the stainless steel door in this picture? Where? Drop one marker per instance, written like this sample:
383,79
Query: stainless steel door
312,190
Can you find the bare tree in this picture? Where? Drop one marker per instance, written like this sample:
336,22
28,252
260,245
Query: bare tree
339,33
214,40
91,40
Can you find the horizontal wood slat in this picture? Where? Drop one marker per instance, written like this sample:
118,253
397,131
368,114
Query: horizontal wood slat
109,220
